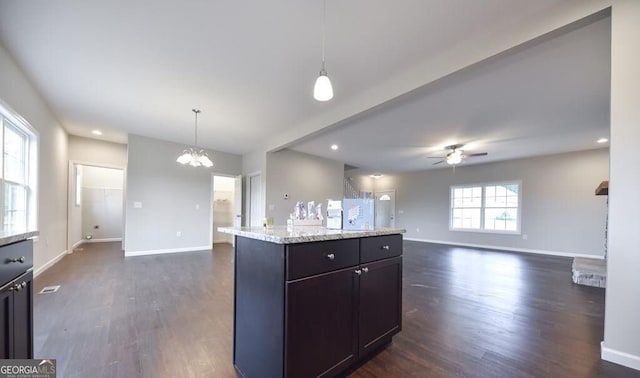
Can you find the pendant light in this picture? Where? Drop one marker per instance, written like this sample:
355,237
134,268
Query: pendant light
194,156
323,91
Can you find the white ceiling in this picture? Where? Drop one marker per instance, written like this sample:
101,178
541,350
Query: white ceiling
140,66
543,99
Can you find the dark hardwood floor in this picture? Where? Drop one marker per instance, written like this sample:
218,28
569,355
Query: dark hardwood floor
467,313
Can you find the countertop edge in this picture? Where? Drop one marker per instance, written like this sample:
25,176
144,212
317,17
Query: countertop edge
9,238
305,234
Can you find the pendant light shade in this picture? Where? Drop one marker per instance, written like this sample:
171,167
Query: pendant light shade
323,90
194,156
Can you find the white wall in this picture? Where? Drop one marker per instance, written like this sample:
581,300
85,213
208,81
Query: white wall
302,176
169,194
622,307
560,212
98,152
102,203
17,91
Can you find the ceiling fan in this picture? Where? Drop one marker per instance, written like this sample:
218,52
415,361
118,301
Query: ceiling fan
456,156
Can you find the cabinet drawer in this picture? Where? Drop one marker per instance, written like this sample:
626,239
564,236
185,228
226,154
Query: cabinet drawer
307,259
15,259
380,247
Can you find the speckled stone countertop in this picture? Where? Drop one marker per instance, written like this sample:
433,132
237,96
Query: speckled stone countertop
304,234
8,237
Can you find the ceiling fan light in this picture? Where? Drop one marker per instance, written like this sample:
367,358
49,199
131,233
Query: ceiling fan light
454,158
323,90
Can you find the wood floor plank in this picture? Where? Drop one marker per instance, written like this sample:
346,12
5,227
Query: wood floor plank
466,313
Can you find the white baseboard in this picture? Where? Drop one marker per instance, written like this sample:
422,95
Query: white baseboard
171,250
106,240
49,264
501,248
620,358
77,244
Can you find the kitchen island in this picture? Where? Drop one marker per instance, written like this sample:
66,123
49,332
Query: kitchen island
313,302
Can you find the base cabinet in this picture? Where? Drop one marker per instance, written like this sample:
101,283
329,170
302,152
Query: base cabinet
16,318
335,307
380,303
322,324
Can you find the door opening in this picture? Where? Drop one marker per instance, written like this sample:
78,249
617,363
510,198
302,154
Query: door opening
96,204
227,205
385,209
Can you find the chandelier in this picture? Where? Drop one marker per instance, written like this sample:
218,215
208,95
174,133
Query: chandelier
194,156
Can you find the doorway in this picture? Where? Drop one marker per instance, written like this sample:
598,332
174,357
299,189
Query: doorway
227,206
385,209
96,204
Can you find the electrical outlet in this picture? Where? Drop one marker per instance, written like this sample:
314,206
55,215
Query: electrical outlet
179,234
525,236
417,229
197,206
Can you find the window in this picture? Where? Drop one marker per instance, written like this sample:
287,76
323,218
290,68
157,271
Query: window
17,176
490,208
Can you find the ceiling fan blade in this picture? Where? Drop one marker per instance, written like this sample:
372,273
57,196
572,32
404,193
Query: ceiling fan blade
478,154
438,162
434,157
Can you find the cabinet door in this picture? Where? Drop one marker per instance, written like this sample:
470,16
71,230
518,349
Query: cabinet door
321,334
23,318
6,324
380,303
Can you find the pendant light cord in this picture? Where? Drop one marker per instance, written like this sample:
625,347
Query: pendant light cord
324,20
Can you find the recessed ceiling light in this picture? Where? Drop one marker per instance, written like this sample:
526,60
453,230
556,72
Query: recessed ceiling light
96,132
334,147
603,140
377,175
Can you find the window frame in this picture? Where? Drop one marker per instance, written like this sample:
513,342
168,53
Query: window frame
483,207
16,121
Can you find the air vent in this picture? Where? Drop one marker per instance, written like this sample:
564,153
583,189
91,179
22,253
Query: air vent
50,289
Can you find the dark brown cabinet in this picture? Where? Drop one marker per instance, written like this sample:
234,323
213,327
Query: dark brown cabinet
380,303
16,318
314,309
322,324
16,300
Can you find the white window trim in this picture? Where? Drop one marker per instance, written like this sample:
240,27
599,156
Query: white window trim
482,230
33,214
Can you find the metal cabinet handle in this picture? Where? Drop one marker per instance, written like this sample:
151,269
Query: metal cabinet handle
385,247
20,259
365,270
331,256
358,272
18,286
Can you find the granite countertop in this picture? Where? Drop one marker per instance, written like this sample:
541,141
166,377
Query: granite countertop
8,237
303,234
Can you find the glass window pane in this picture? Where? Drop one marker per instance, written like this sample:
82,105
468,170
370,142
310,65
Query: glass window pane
15,154
502,219
15,207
